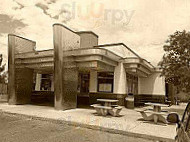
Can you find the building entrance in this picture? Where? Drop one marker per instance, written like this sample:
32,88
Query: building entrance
43,89
83,90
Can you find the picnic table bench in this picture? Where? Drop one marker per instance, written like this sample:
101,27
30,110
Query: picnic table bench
114,110
101,110
156,114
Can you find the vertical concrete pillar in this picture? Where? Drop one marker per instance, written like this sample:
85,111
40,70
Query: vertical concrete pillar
65,72
38,81
120,81
93,81
52,83
11,70
20,79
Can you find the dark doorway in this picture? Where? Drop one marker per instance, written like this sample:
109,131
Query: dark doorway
43,89
83,90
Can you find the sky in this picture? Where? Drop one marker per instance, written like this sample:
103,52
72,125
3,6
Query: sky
143,25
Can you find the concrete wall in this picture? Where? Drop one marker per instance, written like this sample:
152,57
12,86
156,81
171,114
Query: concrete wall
20,80
120,84
88,40
68,39
24,83
152,85
65,80
22,45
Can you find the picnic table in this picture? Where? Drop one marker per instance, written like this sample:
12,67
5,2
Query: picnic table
157,106
156,114
107,108
107,102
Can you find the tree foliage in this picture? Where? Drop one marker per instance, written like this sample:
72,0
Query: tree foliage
3,74
175,63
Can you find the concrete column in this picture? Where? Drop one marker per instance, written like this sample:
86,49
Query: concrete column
65,73
139,85
93,81
38,81
20,79
11,71
52,84
120,82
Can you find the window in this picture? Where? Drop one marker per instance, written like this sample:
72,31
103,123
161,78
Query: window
105,81
46,82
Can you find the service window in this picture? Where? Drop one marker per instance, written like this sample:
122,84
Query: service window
105,82
46,82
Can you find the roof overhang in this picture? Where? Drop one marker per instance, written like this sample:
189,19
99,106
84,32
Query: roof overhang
84,59
93,58
138,67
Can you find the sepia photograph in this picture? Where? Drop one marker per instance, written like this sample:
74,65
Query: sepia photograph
95,71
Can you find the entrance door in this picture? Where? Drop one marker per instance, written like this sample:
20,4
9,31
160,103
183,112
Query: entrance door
84,83
83,90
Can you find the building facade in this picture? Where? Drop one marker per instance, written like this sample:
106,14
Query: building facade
78,70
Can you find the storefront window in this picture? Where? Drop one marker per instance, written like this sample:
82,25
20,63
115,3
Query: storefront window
46,82
105,82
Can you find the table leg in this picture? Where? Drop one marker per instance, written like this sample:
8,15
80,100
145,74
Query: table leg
104,112
108,104
157,108
155,118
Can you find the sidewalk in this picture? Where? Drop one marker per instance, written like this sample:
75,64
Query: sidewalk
129,123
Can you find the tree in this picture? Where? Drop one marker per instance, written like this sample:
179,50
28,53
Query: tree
175,63
3,74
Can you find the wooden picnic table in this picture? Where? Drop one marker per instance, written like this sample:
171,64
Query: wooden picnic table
107,102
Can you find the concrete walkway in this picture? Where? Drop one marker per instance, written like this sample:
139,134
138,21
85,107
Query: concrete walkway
130,123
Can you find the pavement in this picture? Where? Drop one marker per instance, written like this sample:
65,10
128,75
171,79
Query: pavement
14,128
129,123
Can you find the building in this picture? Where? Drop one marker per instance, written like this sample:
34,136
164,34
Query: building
78,70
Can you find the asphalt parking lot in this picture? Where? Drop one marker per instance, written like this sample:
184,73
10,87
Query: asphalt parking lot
15,128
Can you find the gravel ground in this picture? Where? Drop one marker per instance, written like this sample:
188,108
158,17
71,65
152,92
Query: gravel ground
15,128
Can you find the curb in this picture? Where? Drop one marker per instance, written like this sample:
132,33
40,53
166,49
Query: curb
93,127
